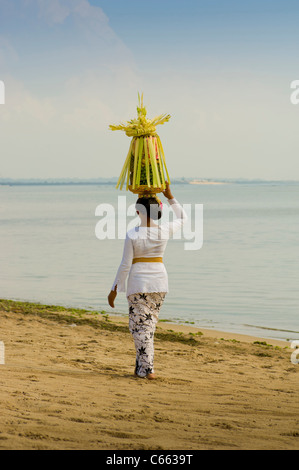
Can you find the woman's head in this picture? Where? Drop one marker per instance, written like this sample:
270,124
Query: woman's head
150,207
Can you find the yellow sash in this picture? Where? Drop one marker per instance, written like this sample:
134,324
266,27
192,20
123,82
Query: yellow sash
147,260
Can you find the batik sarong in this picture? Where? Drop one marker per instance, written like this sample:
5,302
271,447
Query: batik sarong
144,310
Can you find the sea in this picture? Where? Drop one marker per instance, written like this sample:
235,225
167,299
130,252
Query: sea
242,278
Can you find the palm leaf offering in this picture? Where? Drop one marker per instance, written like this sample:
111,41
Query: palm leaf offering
145,166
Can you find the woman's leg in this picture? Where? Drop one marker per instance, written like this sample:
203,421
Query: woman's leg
143,316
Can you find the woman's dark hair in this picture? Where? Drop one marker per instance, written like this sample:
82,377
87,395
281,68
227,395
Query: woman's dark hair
150,206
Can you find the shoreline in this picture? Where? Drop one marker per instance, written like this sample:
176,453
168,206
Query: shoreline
216,334
164,324
183,327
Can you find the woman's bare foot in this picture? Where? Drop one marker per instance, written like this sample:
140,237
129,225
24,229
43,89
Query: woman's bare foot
148,376
151,376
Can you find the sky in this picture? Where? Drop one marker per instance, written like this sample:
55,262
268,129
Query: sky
222,69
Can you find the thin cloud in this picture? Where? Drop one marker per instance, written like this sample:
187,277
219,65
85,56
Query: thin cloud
63,87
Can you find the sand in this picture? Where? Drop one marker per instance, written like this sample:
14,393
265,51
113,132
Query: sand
68,384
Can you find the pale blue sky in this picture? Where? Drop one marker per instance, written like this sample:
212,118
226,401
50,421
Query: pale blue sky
221,68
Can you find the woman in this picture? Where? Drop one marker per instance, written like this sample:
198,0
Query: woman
148,281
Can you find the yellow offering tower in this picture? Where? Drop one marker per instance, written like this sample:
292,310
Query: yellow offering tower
144,167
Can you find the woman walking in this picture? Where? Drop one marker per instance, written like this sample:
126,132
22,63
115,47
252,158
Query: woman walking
147,283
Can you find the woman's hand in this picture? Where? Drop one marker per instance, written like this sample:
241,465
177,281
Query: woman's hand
112,297
167,193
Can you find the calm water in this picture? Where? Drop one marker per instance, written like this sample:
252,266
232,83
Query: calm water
244,279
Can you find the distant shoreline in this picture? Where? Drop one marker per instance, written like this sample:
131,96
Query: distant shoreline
208,182
113,182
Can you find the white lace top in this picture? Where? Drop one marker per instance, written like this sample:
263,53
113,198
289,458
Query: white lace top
147,242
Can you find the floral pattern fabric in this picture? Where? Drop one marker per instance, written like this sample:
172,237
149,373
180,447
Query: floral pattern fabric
144,311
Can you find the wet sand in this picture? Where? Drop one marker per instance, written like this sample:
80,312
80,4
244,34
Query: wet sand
68,384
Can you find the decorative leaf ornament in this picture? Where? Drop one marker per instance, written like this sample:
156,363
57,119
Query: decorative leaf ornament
143,170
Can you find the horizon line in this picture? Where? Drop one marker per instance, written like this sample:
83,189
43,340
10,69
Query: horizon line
113,179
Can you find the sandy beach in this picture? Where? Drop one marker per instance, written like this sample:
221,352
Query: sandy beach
68,384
